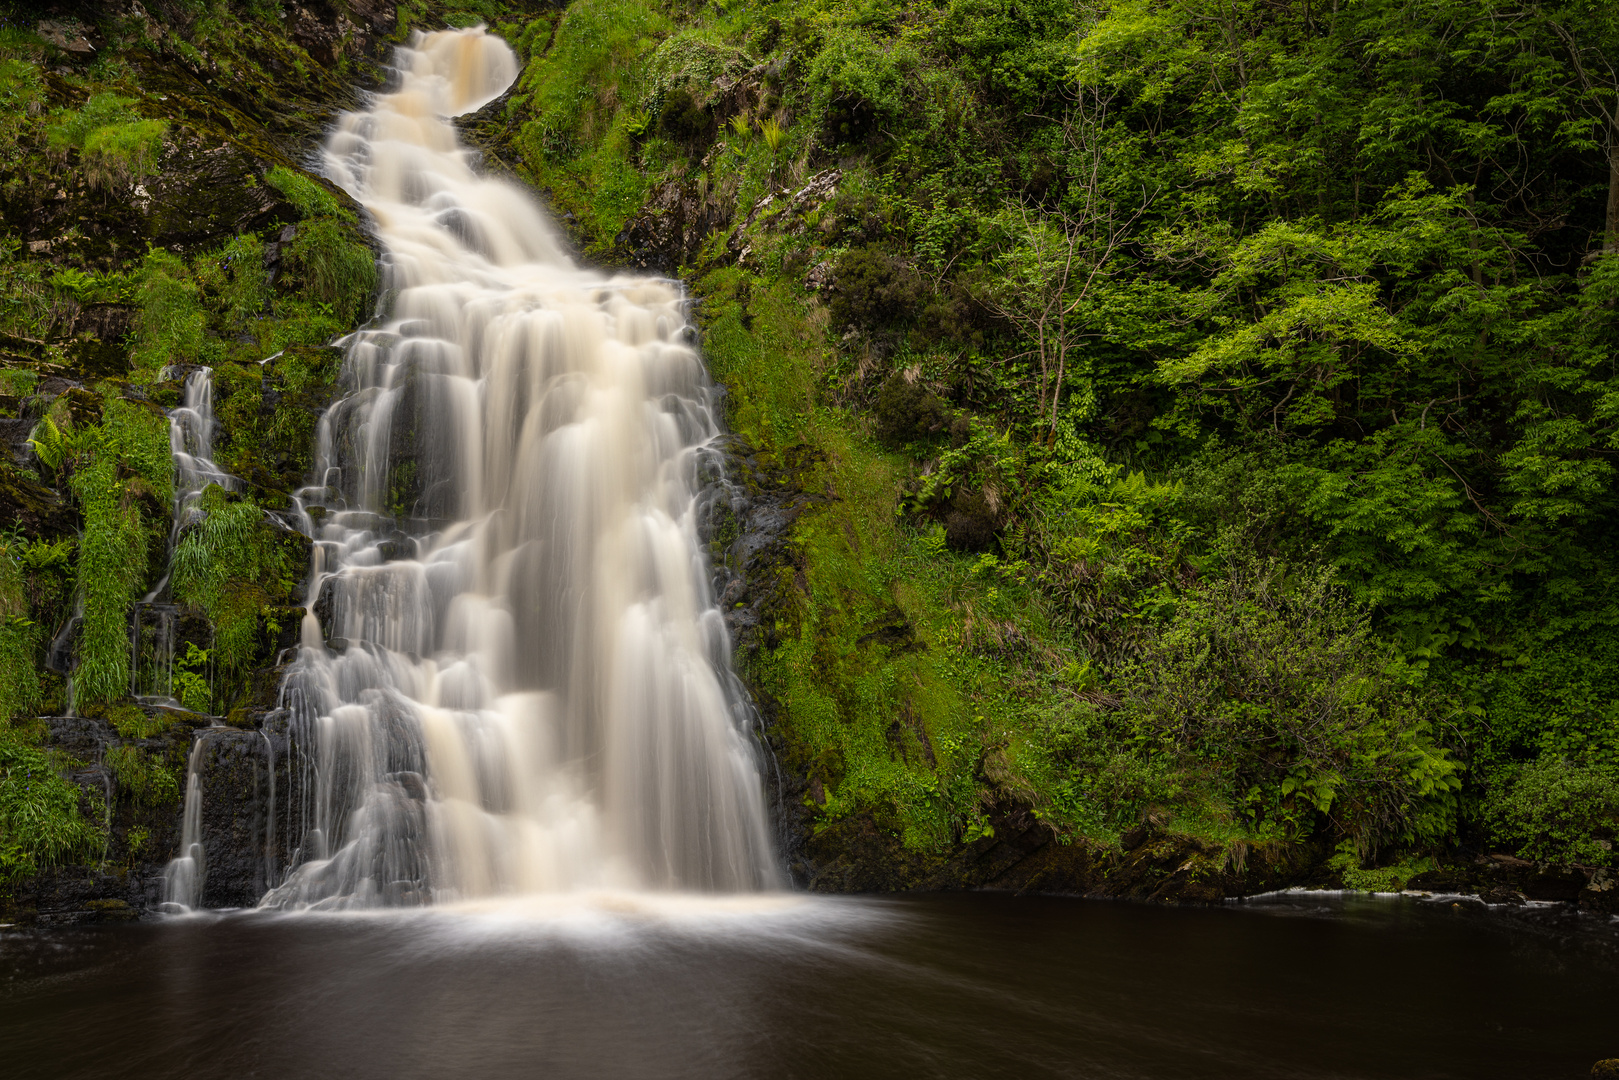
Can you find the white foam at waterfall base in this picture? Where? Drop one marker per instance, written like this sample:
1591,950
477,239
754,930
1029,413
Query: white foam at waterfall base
527,688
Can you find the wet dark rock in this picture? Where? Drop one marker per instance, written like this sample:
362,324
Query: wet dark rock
236,778
670,228
325,602
1437,881
744,517
327,32
1501,894
143,829
1555,884
489,131
1601,893
251,793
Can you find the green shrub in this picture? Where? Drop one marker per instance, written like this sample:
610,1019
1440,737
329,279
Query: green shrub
172,326
222,565
1270,684
859,82
1556,700
873,291
328,264
112,567
191,679
687,63
1557,811
682,118
234,279
19,636
116,466
906,409
333,268
40,821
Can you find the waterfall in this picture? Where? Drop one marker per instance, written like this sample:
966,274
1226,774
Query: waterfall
153,623
183,877
526,685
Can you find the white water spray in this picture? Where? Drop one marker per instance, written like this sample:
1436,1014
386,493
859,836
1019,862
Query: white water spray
527,686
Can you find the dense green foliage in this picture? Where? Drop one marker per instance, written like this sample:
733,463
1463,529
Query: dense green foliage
1218,401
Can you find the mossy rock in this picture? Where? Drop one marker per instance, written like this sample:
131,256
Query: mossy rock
41,512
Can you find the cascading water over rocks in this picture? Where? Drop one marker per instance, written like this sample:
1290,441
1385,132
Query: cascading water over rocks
152,629
526,686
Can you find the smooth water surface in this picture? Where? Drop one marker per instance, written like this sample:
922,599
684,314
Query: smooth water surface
624,985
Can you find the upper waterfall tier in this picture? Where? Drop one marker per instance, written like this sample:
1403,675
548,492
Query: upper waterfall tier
527,684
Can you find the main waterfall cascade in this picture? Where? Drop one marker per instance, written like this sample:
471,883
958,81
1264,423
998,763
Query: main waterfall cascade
527,686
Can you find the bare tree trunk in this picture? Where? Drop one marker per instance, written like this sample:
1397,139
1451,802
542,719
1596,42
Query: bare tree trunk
1613,189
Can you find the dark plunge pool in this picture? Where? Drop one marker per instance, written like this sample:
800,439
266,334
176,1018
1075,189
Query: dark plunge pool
933,986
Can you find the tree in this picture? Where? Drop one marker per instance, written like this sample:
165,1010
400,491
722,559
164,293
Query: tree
1590,33
1059,254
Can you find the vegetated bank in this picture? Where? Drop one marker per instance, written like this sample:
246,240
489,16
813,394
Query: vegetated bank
1173,442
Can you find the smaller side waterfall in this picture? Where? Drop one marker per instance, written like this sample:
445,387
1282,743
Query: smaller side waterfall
154,624
183,879
191,441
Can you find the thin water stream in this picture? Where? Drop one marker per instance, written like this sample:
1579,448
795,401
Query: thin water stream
154,623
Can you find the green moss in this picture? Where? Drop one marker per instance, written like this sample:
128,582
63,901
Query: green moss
578,93
872,695
1391,878
116,146
133,722
307,194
